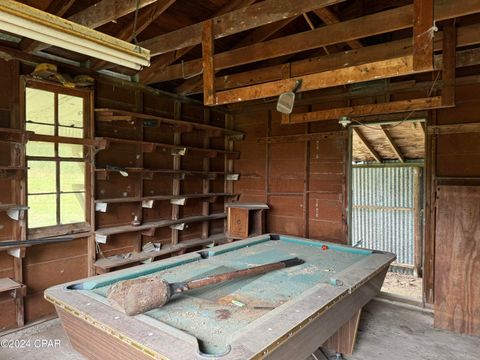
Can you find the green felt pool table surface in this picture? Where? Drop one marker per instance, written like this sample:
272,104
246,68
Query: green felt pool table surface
217,315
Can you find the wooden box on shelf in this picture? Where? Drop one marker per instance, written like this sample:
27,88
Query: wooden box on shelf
245,220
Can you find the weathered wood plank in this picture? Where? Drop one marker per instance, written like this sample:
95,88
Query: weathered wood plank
256,15
457,265
423,34
375,70
368,109
329,18
208,51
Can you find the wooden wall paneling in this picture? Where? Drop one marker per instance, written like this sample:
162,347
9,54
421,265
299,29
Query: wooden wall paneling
449,64
457,259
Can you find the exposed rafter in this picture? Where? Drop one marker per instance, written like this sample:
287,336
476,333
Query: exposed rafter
99,14
147,16
247,18
56,7
329,18
160,62
392,143
367,145
395,19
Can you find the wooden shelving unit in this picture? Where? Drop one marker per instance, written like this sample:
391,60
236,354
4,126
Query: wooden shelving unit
148,201
109,263
111,115
132,129
148,228
148,174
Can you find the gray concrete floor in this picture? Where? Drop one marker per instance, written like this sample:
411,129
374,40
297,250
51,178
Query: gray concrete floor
387,331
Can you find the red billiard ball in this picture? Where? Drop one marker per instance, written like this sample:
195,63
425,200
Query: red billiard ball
324,247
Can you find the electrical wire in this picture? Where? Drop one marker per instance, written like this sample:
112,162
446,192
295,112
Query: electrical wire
429,93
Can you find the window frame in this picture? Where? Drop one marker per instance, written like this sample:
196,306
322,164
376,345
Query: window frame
86,141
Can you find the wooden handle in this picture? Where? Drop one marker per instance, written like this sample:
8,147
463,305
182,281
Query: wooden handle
215,279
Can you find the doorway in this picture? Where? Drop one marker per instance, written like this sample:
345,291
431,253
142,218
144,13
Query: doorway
386,198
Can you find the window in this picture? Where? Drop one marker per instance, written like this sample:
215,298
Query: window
57,170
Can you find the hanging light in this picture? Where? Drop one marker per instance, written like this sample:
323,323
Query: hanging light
24,20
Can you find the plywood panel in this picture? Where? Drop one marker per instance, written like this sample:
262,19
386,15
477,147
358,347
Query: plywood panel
457,259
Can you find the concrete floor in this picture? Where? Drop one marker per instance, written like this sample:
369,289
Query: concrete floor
387,331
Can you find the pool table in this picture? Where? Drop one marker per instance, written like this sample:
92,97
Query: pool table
284,314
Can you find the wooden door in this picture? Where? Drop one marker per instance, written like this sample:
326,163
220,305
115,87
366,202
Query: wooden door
457,259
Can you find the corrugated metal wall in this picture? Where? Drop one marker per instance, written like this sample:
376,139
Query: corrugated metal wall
382,210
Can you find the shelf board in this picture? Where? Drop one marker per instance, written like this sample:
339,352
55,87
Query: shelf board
14,135
12,171
106,264
148,228
8,285
102,174
103,143
109,115
14,212
147,201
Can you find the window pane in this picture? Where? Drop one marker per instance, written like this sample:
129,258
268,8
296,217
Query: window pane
42,211
70,110
36,148
40,106
72,208
70,150
41,129
41,177
72,176
70,132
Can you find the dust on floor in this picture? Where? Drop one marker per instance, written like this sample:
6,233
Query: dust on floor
404,285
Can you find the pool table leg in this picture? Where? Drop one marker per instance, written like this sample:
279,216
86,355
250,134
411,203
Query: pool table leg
343,340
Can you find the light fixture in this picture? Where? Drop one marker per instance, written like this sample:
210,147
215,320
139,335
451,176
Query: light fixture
24,20
286,100
344,121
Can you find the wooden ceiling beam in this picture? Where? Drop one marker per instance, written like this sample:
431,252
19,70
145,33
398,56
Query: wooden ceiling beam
160,62
371,71
395,19
258,35
262,13
466,36
367,145
147,16
356,111
392,143
423,34
56,7
329,18
101,13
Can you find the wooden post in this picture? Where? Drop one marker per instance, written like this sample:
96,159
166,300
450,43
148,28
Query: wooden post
137,247
208,50
417,221
206,180
228,167
449,64
91,243
177,161
17,121
423,26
